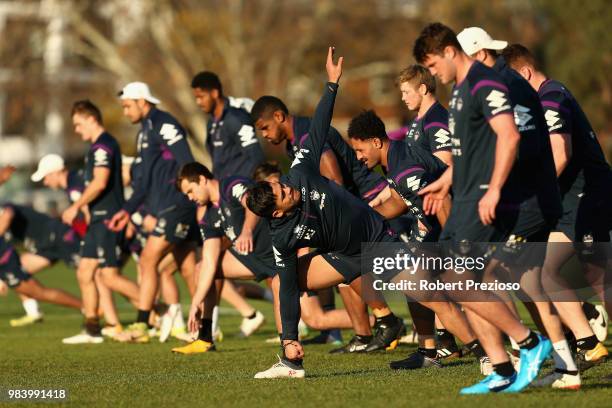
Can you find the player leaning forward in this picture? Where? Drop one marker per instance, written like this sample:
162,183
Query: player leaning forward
308,210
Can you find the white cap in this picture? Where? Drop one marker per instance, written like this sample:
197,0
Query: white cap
474,39
48,164
138,90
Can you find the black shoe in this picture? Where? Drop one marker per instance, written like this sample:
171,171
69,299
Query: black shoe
414,361
386,337
448,351
355,345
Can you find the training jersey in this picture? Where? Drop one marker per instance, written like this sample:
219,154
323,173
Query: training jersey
587,170
408,170
162,148
233,144
355,175
481,96
534,170
430,131
105,152
227,218
328,217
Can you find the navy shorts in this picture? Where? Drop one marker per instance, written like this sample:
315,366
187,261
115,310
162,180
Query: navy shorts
102,244
262,267
177,224
11,271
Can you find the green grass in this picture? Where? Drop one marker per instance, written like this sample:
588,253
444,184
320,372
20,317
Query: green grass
148,375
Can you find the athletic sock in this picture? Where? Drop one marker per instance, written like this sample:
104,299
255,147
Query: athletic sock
564,362
205,332
363,339
504,369
513,343
445,338
529,342
476,349
179,321
388,320
31,307
215,319
431,353
143,316
92,326
589,311
587,343
571,340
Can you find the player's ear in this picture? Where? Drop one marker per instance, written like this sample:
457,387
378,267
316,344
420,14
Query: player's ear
422,90
277,213
377,142
279,116
525,72
214,93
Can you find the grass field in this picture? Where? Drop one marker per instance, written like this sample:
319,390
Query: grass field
149,375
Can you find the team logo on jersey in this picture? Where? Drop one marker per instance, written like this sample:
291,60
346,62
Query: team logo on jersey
451,124
230,232
298,156
303,232
181,230
522,118
552,119
459,103
227,211
277,258
315,195
497,101
247,135
238,191
100,252
442,136
160,226
100,157
170,134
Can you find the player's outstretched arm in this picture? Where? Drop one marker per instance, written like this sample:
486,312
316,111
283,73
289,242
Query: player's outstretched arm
211,250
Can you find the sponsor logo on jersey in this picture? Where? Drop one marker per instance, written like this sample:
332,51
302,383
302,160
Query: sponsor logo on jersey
303,232
299,156
497,101
413,182
442,137
247,135
238,191
100,157
552,120
277,258
522,118
170,134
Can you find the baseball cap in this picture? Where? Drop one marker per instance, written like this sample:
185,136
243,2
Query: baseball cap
474,39
138,90
48,164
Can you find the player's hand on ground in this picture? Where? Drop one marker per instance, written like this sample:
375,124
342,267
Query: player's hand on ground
119,221
334,71
193,320
293,349
148,223
244,243
487,205
433,196
70,214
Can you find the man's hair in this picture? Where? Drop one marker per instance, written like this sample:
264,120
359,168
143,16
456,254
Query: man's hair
207,81
266,105
266,169
417,75
86,107
192,172
367,125
261,199
432,40
517,56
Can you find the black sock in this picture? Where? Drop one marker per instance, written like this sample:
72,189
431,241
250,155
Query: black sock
589,311
293,362
445,338
205,332
587,343
387,320
92,326
363,339
562,371
504,369
571,340
476,349
252,316
431,353
529,342
143,316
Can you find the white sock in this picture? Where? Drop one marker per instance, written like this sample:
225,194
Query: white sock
179,321
31,307
514,344
215,319
268,295
563,356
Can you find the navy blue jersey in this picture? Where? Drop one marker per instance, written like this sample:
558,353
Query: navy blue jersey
430,131
162,149
409,170
355,175
233,144
328,217
587,169
482,95
75,185
227,218
534,171
105,153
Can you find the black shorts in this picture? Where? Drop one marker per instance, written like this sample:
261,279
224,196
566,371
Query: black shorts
177,224
526,245
102,244
66,247
262,267
11,271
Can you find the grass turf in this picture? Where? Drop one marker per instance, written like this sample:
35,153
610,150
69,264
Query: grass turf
131,375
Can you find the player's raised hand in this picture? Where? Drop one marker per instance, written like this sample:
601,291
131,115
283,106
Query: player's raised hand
334,71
